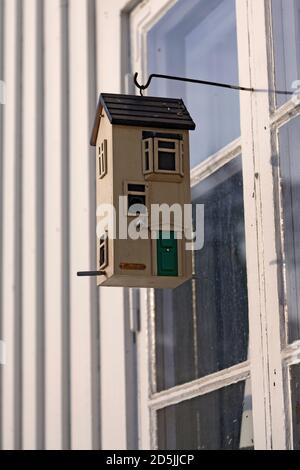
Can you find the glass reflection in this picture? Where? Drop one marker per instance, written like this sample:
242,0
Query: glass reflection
198,39
221,420
289,139
295,389
286,34
202,327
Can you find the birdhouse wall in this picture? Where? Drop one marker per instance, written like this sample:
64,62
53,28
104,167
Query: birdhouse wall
105,194
127,169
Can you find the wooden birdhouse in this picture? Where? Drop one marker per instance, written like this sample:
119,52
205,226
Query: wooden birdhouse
142,161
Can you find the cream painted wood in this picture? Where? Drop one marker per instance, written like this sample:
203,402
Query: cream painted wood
53,226
9,427
29,240
113,390
143,371
127,140
109,32
80,300
261,229
257,325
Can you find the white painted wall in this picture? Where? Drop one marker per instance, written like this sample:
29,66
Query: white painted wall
51,54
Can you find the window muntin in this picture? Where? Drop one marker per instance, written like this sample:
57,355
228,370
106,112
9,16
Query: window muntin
202,326
286,37
220,420
176,47
102,159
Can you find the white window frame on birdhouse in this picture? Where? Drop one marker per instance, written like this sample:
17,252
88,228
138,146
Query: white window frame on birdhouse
147,152
102,159
135,193
162,150
103,245
152,149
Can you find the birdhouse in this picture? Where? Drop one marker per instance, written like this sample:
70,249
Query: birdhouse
142,168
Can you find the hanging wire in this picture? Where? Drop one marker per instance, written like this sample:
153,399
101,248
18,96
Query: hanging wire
203,82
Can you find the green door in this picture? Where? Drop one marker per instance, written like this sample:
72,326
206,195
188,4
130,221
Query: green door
167,254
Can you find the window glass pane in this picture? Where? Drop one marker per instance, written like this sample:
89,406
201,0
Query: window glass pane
286,33
163,144
166,161
136,204
289,139
202,326
197,39
221,420
295,389
147,167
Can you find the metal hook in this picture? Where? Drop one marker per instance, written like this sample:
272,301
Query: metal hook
140,87
204,82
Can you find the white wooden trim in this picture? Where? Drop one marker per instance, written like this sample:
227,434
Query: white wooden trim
9,301
285,113
291,354
215,162
30,242
143,372
201,386
80,298
261,236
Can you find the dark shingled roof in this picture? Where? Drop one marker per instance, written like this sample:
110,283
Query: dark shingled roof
144,111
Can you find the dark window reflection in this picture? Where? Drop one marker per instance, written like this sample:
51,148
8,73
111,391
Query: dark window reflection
289,138
221,420
286,36
202,327
295,386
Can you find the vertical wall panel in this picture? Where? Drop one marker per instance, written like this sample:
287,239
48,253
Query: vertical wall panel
10,287
1,190
29,227
65,140
39,261
94,290
49,319
80,300
53,226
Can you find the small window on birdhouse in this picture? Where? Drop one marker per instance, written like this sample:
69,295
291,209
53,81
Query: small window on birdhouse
103,252
163,154
137,199
166,156
102,159
148,156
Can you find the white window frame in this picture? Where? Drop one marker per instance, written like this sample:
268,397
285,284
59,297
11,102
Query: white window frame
153,150
270,355
129,192
102,159
103,244
148,151
158,149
